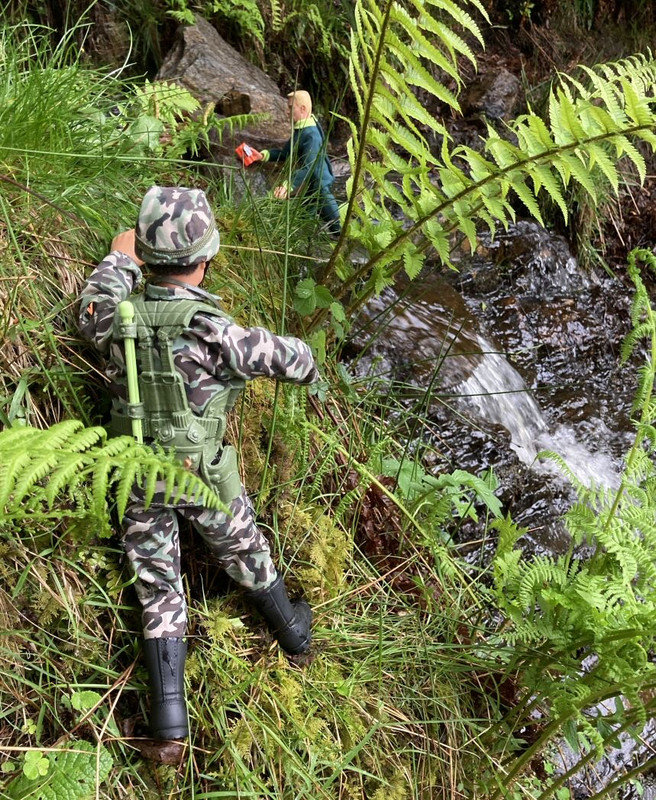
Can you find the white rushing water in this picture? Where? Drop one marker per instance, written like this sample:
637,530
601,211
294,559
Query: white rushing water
495,392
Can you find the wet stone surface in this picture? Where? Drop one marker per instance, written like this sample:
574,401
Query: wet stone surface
521,351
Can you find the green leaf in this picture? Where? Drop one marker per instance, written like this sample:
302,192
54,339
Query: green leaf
35,765
412,261
305,288
503,152
323,297
337,311
408,473
571,734
84,700
144,134
636,105
527,197
624,146
579,171
543,177
570,117
73,773
305,306
317,342
129,474
309,296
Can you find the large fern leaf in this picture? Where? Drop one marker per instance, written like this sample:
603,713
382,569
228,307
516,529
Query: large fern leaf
40,467
593,122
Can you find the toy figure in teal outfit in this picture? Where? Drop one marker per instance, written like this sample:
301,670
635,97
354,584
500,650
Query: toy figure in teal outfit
313,176
193,361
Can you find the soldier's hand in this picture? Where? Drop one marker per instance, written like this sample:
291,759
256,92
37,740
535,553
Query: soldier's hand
280,192
124,243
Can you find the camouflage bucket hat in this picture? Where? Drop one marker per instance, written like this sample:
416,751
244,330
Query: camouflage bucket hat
175,226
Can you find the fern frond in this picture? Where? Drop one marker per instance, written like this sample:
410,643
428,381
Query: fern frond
593,121
33,471
12,464
67,473
152,477
129,474
38,466
86,438
276,15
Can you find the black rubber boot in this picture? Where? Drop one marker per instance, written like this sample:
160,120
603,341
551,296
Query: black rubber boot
288,622
165,660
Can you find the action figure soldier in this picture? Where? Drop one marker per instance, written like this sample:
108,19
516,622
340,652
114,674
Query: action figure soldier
313,176
193,361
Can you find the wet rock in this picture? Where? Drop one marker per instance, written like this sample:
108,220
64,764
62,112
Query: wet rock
519,354
494,94
531,260
205,64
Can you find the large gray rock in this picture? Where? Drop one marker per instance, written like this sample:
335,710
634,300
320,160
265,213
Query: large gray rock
495,94
205,64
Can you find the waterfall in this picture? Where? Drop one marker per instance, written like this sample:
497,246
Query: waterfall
496,393
430,330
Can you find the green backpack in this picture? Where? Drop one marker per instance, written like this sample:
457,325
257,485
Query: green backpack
163,407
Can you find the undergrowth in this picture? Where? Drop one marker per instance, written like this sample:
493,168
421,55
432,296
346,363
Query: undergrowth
380,709
423,679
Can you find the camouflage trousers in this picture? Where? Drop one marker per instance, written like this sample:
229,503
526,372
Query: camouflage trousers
152,544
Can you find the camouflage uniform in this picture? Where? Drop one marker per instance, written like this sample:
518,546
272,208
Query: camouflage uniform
210,354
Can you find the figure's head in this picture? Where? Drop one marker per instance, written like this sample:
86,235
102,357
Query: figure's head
175,230
299,104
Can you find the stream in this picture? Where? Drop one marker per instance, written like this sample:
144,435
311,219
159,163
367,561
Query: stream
520,350
516,353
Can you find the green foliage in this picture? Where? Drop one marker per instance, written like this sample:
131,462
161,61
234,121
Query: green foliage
584,11
593,124
38,466
364,719
582,624
310,296
333,726
165,101
244,15
67,773
166,120
311,25
35,765
444,495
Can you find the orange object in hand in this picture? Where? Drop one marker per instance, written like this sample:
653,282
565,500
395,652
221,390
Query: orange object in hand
248,154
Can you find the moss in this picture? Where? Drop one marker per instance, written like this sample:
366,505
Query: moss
323,549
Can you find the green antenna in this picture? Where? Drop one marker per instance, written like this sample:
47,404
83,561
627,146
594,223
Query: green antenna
129,330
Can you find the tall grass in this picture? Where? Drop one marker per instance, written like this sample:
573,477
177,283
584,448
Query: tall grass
406,694
382,708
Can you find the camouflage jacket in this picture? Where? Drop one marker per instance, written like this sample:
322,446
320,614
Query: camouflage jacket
211,353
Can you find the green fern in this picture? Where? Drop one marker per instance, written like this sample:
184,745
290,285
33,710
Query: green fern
276,16
592,124
245,14
591,620
42,471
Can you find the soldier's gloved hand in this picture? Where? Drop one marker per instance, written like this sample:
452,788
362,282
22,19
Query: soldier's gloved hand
319,389
124,243
281,192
